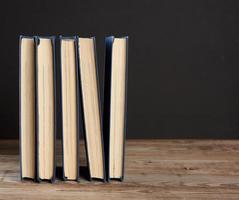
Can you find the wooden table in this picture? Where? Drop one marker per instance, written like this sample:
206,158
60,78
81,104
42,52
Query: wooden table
155,169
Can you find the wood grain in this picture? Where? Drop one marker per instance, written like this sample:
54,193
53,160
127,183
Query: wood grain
155,169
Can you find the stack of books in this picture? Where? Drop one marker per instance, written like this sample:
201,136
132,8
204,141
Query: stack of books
81,109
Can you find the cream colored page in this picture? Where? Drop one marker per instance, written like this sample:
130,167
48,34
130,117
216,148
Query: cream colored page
91,106
117,107
69,108
45,108
27,108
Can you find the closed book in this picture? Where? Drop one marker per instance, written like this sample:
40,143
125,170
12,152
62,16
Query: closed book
115,105
70,107
27,132
45,107
91,107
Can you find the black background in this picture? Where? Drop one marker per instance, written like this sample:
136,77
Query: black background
183,60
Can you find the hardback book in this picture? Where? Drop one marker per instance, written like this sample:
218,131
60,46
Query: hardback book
27,107
91,107
114,115
70,103
45,107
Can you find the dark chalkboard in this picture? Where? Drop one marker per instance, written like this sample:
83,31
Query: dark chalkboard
183,60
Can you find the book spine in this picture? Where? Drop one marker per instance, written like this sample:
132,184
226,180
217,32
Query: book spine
125,107
20,123
107,87
36,41
78,107
61,113
53,40
100,108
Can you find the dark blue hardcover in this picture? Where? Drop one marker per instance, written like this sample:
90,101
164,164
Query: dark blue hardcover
100,111
37,41
79,117
20,111
109,41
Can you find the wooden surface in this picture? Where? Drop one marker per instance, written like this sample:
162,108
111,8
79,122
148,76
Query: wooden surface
155,169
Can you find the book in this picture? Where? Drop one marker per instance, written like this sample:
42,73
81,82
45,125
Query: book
70,107
27,107
45,107
115,104
91,107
